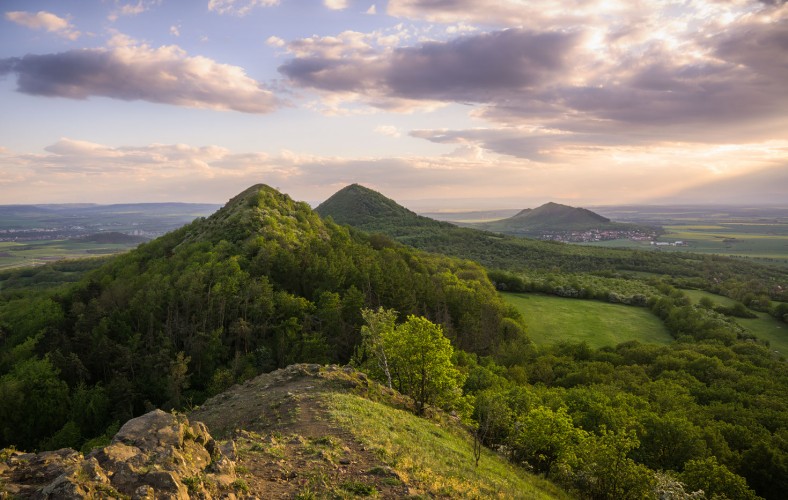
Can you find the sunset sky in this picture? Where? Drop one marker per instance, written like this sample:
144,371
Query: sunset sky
439,104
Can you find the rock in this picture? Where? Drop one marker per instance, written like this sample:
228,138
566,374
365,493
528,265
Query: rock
148,458
42,468
166,484
230,450
144,492
156,428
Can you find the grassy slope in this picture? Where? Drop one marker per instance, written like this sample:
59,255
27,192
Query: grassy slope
765,327
556,319
438,459
310,431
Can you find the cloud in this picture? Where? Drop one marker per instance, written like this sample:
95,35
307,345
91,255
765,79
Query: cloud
130,72
597,71
131,9
388,130
175,30
275,41
46,21
533,14
238,7
168,172
372,10
335,4
474,68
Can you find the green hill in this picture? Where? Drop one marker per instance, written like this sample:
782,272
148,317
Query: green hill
262,283
525,255
368,210
550,216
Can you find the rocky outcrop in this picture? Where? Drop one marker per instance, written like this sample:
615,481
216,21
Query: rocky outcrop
158,455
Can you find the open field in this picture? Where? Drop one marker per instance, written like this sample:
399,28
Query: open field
34,253
769,246
765,327
555,319
759,233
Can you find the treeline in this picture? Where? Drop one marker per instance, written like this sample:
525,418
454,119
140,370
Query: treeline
645,292
261,284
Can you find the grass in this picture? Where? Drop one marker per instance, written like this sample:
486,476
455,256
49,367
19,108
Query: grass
764,327
436,460
555,319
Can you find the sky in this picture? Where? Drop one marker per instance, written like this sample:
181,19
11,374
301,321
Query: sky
439,104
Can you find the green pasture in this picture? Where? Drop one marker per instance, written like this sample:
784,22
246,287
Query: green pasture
555,319
764,327
34,253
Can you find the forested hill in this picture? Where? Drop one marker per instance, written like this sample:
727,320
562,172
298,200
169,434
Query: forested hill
365,209
552,217
260,284
732,277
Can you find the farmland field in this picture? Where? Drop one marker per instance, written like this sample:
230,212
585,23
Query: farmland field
33,253
554,319
757,233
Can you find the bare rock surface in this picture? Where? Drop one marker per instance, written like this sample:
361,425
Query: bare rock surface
158,455
276,440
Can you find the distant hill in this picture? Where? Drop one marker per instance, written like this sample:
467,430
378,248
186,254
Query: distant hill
523,254
368,210
551,217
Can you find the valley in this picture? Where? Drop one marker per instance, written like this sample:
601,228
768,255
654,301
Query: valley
597,372
36,234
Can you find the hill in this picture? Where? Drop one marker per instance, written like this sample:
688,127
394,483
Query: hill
262,283
554,219
551,216
530,256
366,209
305,431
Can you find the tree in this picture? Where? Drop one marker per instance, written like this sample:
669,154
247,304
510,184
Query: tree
716,480
543,438
380,325
415,357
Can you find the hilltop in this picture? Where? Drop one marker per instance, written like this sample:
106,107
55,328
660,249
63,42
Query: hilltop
332,431
561,222
550,216
368,210
300,432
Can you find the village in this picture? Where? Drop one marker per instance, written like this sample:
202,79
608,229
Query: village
592,235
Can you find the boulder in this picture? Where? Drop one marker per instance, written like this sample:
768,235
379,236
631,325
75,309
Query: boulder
152,456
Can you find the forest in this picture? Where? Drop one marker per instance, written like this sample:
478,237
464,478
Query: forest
266,282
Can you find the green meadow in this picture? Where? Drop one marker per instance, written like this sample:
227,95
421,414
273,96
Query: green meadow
555,319
765,327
